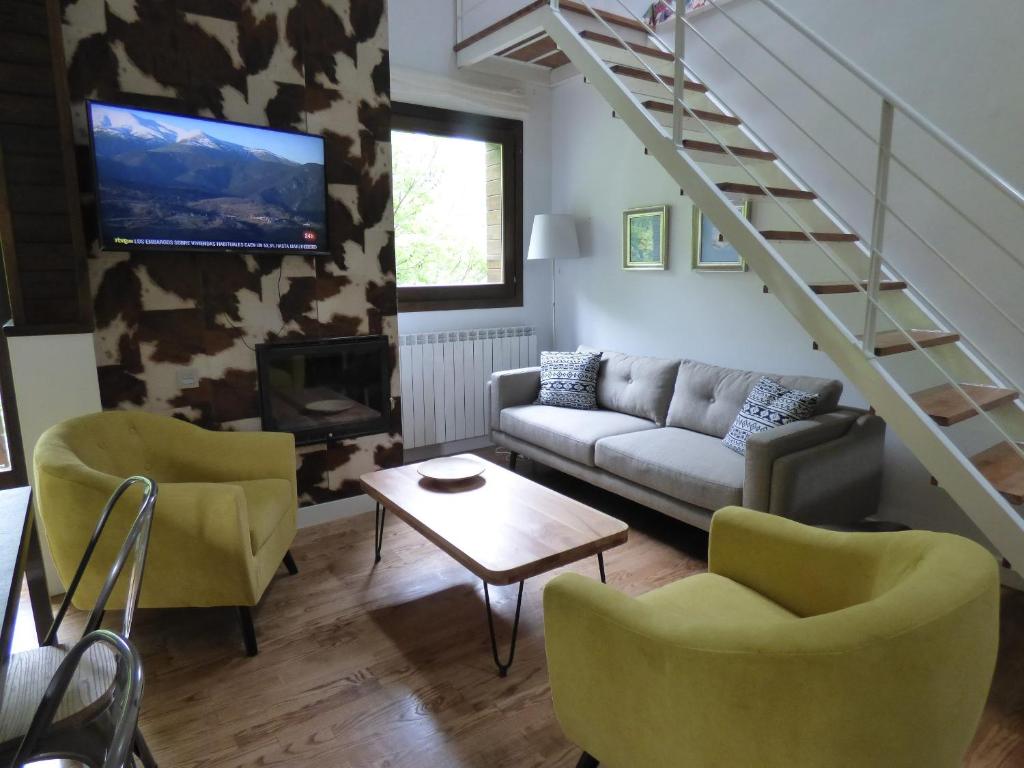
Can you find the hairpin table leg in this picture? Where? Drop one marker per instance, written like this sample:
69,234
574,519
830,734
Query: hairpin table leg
600,565
503,667
378,530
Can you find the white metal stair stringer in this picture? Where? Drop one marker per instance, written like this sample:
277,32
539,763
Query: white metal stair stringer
985,506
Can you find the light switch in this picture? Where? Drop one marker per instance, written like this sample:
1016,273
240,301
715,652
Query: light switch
188,378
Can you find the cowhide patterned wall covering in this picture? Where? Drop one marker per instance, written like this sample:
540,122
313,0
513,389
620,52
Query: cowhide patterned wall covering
319,66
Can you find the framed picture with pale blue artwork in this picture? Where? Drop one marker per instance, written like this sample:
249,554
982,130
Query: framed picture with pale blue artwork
645,238
711,251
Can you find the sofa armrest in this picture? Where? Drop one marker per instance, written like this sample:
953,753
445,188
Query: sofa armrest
516,387
763,448
825,469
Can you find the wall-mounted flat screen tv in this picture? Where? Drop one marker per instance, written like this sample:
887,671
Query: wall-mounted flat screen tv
174,183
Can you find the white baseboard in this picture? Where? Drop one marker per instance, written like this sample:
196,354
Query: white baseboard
425,452
330,511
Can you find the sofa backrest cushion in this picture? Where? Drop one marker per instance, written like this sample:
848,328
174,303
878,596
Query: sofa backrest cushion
637,385
708,397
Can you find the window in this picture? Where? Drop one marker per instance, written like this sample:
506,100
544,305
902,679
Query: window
458,182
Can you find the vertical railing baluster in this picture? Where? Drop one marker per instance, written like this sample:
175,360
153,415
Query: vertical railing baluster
878,226
678,73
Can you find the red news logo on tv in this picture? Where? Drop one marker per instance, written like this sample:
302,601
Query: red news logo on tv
309,236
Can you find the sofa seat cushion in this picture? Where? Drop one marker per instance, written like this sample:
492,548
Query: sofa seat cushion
568,432
685,465
709,598
267,501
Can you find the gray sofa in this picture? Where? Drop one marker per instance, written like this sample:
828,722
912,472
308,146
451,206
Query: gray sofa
656,438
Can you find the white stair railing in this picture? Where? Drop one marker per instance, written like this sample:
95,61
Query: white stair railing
854,356
874,306
964,482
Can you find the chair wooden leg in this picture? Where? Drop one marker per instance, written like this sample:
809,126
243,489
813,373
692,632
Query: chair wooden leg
513,457
248,630
587,761
289,563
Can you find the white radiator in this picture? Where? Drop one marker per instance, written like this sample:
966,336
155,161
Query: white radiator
444,379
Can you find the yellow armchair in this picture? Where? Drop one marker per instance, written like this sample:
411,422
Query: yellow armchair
224,519
801,648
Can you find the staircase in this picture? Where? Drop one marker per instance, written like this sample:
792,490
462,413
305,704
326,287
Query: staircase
933,386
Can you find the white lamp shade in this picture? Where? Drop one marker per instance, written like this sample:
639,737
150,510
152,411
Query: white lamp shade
553,237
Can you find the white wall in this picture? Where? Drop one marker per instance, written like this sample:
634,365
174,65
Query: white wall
599,169
54,379
422,61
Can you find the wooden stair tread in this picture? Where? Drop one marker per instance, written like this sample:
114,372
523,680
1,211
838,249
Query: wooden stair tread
499,24
802,237
753,189
645,50
554,60
709,146
826,289
1004,468
947,406
703,114
894,342
611,18
566,5
531,49
642,74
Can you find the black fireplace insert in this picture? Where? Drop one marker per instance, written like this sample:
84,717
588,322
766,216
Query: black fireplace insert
327,389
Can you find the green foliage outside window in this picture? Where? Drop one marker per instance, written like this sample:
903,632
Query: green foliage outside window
440,194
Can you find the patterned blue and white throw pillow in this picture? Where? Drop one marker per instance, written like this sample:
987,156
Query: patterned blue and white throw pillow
569,379
768,405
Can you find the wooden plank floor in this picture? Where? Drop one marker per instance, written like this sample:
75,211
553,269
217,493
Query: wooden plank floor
389,666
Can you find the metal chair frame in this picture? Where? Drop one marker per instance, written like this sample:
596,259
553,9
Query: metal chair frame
135,545
137,540
121,714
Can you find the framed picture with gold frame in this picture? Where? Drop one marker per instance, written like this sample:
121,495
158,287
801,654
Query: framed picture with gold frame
645,238
711,251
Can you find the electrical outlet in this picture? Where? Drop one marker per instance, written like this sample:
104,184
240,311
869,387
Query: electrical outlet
188,378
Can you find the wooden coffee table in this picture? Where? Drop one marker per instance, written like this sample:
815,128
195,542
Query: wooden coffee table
502,527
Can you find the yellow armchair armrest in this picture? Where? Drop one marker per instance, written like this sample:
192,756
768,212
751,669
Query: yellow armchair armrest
200,546
618,677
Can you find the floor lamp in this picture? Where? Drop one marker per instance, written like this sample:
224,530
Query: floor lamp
553,238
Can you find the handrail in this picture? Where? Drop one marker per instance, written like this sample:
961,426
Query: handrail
872,299
856,125
882,207
784,206
923,122
856,179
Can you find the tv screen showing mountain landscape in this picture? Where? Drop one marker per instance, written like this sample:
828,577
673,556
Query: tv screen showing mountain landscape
170,182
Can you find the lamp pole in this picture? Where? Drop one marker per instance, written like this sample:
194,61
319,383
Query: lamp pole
554,338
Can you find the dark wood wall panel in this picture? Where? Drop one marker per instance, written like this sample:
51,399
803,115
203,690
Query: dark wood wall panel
43,247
